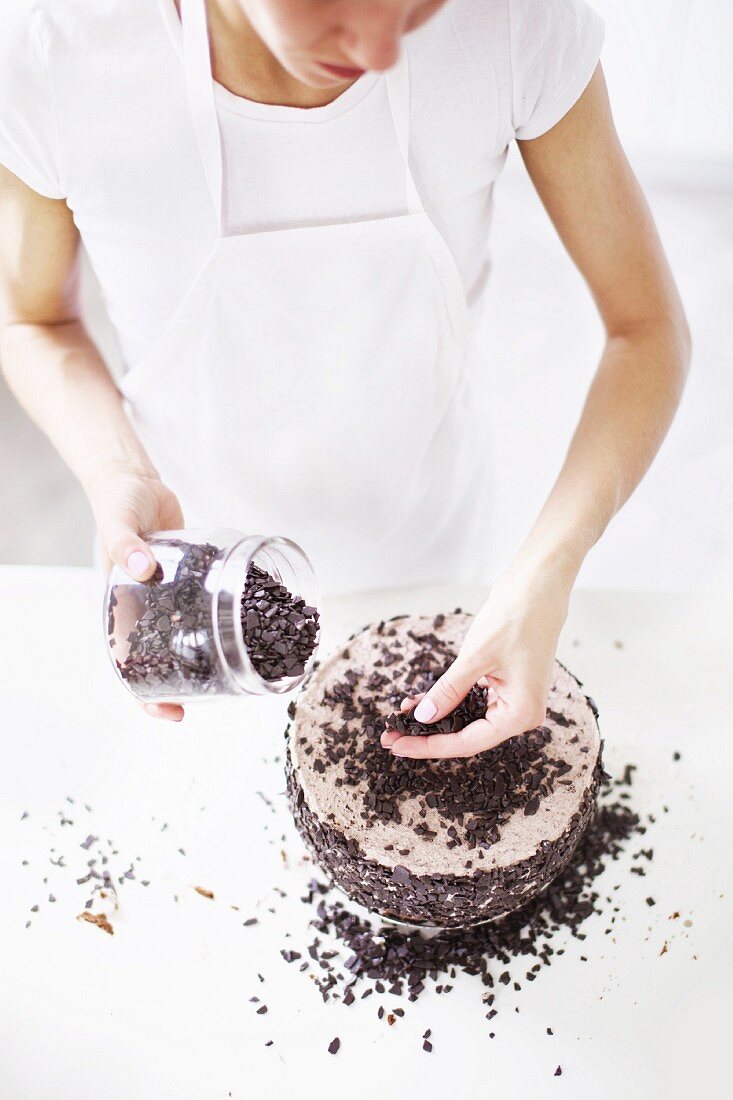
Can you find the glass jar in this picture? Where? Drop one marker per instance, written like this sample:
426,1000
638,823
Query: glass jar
223,614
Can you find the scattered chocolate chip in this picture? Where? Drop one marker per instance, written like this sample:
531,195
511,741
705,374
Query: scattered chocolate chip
334,1045
382,955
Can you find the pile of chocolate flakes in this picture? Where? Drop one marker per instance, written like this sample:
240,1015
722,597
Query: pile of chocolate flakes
352,958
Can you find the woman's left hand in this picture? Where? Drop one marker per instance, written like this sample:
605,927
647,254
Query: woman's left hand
510,649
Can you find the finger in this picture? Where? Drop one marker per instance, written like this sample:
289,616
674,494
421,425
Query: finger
476,737
484,733
128,550
448,691
172,711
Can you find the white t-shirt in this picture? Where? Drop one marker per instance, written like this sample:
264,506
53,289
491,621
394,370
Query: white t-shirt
93,110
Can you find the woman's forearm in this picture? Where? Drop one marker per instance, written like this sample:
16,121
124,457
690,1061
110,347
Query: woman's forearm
59,377
628,410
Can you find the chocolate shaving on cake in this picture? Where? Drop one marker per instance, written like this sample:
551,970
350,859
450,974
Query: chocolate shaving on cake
473,804
451,804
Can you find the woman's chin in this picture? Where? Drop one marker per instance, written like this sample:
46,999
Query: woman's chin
315,76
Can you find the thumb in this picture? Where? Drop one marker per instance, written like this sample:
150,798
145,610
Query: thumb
448,691
125,547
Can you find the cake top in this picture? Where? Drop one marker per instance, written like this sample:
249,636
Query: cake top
434,816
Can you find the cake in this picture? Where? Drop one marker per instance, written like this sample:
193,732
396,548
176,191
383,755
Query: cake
444,843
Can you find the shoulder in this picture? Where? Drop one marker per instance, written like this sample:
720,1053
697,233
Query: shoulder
486,28
463,53
477,28
37,25
53,57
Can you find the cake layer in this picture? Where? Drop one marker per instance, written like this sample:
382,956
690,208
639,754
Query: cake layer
448,841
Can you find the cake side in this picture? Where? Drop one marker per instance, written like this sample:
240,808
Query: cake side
447,901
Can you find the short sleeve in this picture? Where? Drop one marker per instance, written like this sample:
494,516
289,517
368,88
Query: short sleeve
29,141
555,46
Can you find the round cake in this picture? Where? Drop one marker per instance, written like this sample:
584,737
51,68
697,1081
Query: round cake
445,843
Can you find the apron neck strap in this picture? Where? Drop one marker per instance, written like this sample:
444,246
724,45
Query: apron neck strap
398,89
200,87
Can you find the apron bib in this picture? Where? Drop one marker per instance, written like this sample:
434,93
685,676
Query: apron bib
316,383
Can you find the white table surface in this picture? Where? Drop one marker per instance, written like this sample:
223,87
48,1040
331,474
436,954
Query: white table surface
161,1010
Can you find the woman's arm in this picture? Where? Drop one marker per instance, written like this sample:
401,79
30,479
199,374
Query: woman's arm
589,190
587,187
60,379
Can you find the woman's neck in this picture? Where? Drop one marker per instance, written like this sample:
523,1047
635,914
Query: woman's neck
243,64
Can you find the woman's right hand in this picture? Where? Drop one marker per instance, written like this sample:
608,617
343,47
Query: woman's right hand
126,502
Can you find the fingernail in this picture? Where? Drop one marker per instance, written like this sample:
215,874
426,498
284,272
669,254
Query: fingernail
425,710
138,563
401,754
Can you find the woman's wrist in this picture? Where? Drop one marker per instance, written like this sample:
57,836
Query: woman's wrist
556,563
97,480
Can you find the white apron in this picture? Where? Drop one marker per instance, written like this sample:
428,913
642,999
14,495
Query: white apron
316,383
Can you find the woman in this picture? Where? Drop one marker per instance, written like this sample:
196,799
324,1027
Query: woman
286,203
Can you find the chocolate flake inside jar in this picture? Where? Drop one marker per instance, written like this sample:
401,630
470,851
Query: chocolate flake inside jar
175,635
447,843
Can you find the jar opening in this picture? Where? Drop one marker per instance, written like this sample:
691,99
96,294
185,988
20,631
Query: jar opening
268,610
